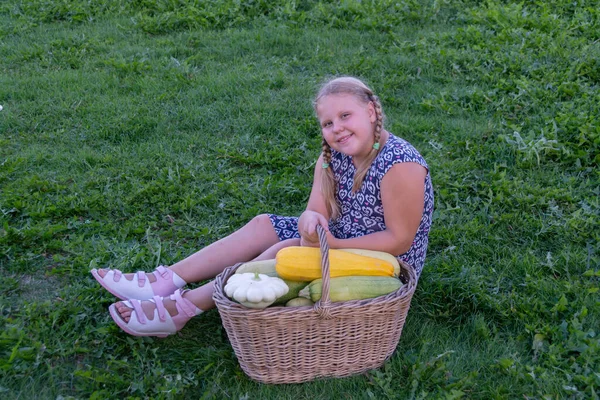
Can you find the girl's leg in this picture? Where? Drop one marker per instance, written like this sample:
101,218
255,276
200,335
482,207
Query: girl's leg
243,245
246,244
201,297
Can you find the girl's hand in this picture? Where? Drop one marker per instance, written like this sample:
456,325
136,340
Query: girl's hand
306,243
307,227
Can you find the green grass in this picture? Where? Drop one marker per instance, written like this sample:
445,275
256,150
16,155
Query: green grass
135,133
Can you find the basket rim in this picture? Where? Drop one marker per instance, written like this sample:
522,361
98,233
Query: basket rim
224,303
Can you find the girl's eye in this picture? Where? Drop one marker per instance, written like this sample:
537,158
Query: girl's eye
345,115
326,124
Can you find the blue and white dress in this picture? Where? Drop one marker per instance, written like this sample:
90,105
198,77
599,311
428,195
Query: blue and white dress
362,212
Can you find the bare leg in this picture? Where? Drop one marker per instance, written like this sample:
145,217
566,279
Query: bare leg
243,245
201,297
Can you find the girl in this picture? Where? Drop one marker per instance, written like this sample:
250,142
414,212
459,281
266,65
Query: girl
371,190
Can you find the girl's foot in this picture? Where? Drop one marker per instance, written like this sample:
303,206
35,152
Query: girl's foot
141,286
160,316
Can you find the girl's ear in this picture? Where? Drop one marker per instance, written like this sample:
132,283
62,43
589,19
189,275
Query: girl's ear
372,113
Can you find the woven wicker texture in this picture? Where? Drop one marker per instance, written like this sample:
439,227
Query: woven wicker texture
299,344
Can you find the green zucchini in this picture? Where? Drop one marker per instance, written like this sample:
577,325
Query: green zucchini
295,288
299,302
344,288
266,267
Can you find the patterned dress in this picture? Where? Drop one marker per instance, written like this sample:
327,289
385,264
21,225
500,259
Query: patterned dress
362,212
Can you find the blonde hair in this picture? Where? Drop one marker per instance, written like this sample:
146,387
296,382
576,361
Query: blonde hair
355,87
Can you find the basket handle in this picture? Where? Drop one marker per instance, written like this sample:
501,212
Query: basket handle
323,306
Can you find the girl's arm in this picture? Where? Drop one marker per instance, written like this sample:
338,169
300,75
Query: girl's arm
316,211
402,195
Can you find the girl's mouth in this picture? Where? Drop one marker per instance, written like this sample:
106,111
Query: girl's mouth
344,139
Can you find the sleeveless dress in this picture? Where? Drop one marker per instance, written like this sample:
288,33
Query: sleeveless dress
362,212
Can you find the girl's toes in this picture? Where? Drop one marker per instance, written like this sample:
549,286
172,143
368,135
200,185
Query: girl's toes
124,311
157,317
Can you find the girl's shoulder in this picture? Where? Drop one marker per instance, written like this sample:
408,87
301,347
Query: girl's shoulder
397,150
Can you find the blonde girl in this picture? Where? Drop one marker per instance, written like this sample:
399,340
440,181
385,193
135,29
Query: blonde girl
371,190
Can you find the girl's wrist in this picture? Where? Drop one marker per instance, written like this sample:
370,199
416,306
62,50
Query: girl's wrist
332,241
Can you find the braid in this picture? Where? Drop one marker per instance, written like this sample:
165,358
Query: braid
379,114
362,171
328,184
326,152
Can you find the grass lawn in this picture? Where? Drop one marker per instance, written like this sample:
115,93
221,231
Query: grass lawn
134,133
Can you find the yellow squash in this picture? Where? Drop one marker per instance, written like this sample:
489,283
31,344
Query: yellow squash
304,264
378,254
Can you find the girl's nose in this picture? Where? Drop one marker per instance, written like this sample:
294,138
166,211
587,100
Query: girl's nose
337,127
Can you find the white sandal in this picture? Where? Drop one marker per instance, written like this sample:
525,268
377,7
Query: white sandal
141,288
162,324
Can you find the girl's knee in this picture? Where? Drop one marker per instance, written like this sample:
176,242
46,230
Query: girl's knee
261,222
262,230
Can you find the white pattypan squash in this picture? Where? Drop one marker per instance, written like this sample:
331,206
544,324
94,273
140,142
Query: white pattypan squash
255,290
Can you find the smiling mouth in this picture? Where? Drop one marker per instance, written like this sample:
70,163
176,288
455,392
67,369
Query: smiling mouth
344,139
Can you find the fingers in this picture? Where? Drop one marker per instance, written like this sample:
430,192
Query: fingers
307,243
320,220
323,222
308,230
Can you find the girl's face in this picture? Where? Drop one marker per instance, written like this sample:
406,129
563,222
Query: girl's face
347,124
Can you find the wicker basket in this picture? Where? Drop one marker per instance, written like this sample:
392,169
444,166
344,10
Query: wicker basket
298,344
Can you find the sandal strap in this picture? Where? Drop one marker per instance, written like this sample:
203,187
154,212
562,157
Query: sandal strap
117,275
141,276
160,307
139,311
137,307
183,305
162,271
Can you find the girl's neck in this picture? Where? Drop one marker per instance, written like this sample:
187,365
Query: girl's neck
385,135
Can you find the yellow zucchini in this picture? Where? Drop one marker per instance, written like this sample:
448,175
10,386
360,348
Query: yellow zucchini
378,254
298,263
